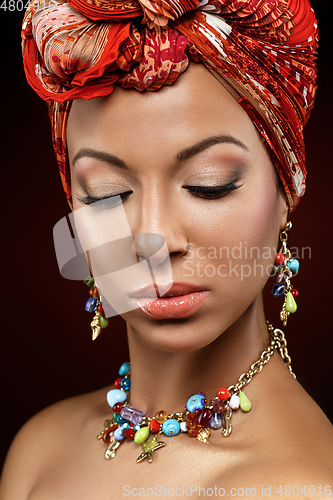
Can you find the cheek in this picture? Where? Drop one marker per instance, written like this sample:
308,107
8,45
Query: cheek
233,241
250,213
260,221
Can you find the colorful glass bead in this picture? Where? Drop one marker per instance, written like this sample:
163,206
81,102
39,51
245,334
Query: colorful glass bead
118,418
91,304
234,402
118,434
278,289
223,393
100,309
216,421
117,407
183,427
244,402
276,269
117,383
204,416
294,293
132,414
141,435
171,427
129,431
279,259
192,425
218,405
103,321
107,433
125,384
279,278
124,369
161,416
291,305
93,291
293,265
196,402
154,426
89,281
115,396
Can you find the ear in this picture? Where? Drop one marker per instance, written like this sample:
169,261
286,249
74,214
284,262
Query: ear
284,210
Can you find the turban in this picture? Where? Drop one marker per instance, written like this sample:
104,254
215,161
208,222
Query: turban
262,51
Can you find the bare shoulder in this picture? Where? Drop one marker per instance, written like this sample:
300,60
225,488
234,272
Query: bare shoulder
300,470
286,440
41,442
309,432
297,451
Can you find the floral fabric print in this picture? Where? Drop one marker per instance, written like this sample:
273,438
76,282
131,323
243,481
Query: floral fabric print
263,51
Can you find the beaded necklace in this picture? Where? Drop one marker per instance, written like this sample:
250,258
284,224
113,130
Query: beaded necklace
199,415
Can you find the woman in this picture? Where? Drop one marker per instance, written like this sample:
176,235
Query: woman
204,182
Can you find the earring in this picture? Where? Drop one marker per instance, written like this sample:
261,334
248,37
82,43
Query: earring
284,268
93,304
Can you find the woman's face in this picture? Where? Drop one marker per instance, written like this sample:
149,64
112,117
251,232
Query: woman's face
194,170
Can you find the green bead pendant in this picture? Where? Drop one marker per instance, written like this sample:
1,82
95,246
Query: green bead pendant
103,321
291,305
141,435
89,281
244,402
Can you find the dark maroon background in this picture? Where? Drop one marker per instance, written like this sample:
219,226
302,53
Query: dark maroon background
46,348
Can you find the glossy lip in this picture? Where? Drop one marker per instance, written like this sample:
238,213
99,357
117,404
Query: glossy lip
182,300
177,288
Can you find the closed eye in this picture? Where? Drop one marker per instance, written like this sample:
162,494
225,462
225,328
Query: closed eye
212,192
207,192
106,201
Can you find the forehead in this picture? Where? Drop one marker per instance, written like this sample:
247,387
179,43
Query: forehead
129,122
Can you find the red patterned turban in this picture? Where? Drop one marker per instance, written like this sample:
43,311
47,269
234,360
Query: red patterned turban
263,51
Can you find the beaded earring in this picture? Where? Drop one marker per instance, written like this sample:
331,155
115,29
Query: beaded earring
284,268
93,304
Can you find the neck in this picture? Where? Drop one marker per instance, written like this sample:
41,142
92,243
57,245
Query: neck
165,380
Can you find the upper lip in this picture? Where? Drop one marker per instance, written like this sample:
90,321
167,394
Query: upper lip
177,288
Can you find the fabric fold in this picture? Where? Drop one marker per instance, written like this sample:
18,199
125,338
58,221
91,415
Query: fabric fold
265,50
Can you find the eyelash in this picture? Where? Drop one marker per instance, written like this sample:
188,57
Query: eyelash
206,192
89,200
212,192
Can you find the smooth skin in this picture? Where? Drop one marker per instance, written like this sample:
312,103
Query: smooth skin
285,439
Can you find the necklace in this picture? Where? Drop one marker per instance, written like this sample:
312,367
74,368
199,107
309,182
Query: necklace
199,415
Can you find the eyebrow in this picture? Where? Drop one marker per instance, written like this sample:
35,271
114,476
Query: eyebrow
207,143
99,155
183,155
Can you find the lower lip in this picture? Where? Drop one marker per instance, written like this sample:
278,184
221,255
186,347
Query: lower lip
179,306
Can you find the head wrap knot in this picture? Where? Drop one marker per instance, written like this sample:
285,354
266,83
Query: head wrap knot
263,51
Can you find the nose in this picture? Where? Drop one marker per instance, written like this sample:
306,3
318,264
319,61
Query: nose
159,232
151,246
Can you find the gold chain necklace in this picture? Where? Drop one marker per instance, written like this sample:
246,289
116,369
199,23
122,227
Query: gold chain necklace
198,417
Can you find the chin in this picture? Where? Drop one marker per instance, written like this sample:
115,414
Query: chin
179,335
